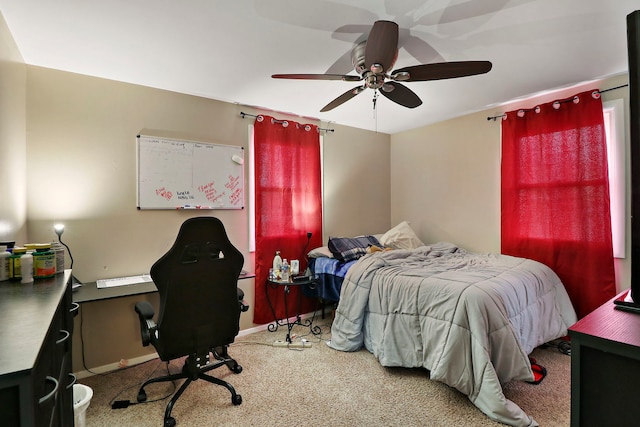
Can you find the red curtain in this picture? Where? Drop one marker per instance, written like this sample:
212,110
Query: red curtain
555,195
288,191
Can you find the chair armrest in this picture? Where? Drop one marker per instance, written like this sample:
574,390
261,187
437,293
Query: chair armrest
147,325
243,304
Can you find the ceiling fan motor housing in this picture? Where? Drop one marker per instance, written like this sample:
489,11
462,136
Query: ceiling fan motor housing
357,57
374,78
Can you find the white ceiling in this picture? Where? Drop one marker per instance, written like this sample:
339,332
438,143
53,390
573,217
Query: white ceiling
228,49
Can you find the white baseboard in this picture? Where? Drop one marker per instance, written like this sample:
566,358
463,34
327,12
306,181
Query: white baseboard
141,359
115,366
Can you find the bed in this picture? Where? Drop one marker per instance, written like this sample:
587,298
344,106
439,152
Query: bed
470,319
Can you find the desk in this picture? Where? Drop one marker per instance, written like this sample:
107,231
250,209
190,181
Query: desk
36,321
281,322
108,330
605,368
90,292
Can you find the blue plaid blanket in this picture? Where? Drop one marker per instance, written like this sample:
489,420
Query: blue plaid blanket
350,248
329,274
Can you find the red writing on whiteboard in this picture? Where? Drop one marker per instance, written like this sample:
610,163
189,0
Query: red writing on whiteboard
236,197
206,187
233,182
215,197
210,192
163,192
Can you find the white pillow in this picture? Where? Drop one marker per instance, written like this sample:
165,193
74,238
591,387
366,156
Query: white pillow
401,236
322,251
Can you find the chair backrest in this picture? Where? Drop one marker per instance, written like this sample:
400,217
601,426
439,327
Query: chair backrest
197,282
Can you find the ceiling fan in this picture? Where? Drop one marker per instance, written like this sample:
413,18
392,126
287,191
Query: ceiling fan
373,59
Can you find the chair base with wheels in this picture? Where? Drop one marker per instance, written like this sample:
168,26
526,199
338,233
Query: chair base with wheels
195,366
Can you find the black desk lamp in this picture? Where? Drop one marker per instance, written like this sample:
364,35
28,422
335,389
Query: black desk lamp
59,229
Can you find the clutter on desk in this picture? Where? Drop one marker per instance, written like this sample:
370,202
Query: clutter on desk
30,262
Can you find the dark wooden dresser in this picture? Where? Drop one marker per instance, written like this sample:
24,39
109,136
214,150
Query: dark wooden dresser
605,368
36,326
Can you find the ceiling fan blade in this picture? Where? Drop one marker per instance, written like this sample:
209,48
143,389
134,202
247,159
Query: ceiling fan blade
342,98
382,45
346,78
441,70
400,94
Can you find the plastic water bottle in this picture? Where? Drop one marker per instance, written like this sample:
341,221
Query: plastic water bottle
277,262
285,271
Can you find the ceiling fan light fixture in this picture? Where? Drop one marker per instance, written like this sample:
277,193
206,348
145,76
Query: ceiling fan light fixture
387,87
402,76
376,68
374,81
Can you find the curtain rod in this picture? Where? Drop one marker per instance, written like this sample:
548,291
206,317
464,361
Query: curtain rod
503,115
243,114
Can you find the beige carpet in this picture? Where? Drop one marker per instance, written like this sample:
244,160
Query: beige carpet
318,386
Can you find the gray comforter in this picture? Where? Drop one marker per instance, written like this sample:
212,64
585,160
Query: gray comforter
470,319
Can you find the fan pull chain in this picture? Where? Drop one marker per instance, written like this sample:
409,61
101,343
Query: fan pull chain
375,111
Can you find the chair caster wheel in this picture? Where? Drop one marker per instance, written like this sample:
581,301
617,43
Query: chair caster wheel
142,396
169,422
237,369
236,400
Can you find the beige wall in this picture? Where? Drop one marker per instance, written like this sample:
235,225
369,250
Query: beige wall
81,170
356,182
445,178
13,143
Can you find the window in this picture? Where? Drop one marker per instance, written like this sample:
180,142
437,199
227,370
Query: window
614,130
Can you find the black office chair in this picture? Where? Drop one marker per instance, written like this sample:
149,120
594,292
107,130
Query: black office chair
200,306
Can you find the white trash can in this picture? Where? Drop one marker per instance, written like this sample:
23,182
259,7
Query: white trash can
81,399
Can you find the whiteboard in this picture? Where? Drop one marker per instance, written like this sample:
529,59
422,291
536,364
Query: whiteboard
178,174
